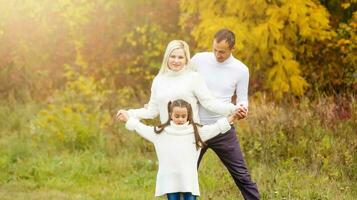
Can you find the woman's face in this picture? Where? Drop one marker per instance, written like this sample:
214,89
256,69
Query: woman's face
177,60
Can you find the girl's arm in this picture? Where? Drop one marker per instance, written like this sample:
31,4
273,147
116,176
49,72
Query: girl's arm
143,130
151,110
208,101
221,126
134,124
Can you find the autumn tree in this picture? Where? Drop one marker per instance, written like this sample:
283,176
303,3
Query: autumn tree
330,66
34,47
269,35
118,43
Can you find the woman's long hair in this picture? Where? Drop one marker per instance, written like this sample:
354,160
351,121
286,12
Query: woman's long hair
182,104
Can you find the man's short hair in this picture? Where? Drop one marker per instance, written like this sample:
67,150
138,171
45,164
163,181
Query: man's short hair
225,34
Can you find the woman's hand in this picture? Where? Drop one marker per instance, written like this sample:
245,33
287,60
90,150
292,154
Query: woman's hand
122,116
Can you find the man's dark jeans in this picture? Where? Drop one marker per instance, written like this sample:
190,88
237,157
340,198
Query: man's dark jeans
227,148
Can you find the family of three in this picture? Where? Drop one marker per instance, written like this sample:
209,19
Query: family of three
193,99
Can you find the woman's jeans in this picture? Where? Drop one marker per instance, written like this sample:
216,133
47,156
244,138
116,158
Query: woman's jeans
176,196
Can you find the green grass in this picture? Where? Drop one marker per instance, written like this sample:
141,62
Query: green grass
289,156
131,175
282,181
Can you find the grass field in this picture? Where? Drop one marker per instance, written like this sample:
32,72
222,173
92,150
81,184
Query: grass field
314,163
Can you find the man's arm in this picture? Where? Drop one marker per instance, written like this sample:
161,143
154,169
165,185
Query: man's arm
242,93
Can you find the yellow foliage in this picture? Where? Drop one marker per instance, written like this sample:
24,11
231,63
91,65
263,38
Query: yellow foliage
298,85
268,34
75,119
345,5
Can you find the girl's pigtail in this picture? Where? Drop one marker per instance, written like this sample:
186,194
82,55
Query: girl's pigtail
161,127
199,141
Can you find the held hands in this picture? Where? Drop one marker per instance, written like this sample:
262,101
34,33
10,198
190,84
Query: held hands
122,116
239,113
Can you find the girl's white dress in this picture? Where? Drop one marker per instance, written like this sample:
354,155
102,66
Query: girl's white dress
177,154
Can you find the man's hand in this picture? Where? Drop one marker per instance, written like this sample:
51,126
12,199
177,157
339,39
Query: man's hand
122,116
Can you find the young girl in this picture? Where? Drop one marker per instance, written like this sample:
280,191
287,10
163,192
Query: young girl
178,144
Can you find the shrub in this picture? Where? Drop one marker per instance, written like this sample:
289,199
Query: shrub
74,119
309,134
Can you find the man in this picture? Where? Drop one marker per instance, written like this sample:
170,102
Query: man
224,76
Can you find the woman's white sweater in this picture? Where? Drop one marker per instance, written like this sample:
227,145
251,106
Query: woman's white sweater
177,154
185,84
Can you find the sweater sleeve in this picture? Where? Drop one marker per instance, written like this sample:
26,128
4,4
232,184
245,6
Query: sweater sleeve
193,63
151,110
143,130
207,100
242,88
209,131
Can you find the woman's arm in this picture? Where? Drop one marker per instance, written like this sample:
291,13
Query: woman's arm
207,100
151,110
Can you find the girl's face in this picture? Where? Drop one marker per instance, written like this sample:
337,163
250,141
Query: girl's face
177,60
179,115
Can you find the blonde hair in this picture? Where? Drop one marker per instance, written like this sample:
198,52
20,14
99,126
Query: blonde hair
174,44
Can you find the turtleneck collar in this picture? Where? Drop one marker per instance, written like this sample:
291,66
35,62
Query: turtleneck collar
176,129
228,60
170,72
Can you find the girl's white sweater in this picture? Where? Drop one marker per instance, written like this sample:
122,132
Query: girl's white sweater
177,154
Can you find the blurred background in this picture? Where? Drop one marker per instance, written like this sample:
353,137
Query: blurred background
67,66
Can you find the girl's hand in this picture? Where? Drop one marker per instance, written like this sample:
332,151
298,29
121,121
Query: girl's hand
122,116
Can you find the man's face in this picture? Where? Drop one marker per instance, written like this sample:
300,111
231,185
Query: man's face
221,50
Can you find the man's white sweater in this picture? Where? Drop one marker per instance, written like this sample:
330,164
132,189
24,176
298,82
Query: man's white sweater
185,84
222,79
177,154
